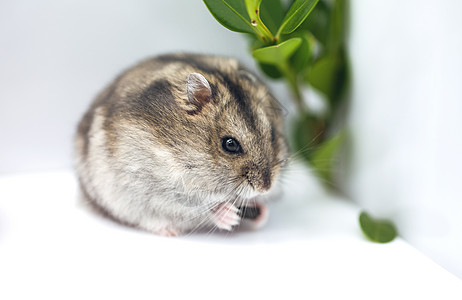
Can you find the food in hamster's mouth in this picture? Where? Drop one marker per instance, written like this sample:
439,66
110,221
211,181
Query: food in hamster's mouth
249,212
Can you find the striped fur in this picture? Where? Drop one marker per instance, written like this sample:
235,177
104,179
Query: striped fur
149,157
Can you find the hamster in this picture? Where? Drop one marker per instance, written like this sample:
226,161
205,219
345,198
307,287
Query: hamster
181,142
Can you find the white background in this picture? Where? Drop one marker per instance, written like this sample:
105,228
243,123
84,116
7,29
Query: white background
406,120
406,104
55,56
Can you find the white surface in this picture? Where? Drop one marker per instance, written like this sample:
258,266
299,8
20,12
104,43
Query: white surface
406,120
312,248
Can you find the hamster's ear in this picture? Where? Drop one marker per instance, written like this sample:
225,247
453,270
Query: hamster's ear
199,91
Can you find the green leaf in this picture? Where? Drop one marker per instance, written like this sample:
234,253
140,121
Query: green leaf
277,54
297,13
324,157
304,54
270,70
318,22
272,14
321,74
377,230
328,75
231,14
337,25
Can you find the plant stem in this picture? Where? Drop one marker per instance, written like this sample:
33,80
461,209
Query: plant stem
263,33
266,34
292,80
278,36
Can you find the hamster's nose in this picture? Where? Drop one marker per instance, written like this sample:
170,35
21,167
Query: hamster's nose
258,177
265,180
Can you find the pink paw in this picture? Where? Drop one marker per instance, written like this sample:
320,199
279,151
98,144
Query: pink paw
225,216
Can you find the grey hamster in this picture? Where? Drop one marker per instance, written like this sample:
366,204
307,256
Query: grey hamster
179,142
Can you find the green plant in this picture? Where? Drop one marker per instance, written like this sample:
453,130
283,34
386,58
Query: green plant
377,230
302,43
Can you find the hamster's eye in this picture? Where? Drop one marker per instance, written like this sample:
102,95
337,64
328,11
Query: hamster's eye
231,145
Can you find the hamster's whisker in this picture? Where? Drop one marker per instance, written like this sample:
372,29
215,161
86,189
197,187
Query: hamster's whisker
236,189
229,197
199,225
240,187
308,147
280,162
301,152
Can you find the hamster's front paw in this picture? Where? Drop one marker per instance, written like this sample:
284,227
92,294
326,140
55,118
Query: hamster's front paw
225,216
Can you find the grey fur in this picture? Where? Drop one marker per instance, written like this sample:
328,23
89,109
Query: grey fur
149,152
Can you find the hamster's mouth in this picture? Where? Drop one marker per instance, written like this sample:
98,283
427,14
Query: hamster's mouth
250,212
